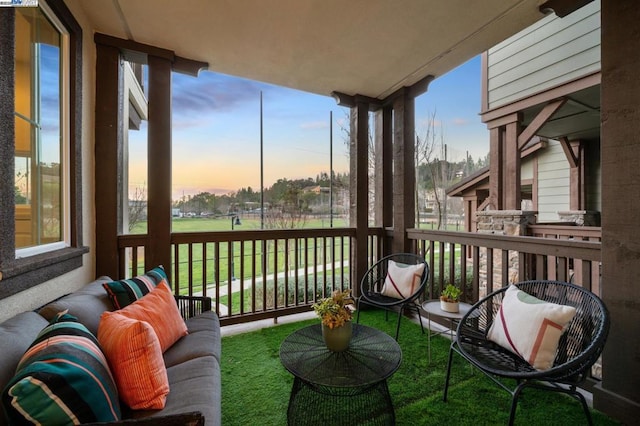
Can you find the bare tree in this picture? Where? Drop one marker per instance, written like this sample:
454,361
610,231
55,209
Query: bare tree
137,206
431,152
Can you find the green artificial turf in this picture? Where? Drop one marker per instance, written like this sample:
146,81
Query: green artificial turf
255,386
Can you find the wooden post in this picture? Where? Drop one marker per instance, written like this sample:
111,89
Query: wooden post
108,154
404,171
359,194
383,180
159,169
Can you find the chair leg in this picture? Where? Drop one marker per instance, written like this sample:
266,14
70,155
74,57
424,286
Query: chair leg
585,407
514,402
358,312
446,382
398,326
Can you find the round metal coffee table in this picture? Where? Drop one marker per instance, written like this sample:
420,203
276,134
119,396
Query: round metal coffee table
336,388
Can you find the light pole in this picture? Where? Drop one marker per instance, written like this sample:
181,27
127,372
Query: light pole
235,220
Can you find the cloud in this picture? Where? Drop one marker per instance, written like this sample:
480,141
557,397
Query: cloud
213,93
459,122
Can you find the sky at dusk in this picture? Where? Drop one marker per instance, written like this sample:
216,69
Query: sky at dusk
216,130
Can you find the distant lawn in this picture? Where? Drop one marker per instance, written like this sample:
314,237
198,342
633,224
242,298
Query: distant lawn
205,224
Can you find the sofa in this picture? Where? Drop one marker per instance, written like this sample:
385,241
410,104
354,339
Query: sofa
192,363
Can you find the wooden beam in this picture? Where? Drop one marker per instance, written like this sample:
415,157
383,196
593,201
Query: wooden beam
569,153
539,121
137,52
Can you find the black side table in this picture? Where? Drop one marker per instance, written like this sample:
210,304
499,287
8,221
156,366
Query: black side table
340,388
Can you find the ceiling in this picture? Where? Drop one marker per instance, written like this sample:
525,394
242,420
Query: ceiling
364,47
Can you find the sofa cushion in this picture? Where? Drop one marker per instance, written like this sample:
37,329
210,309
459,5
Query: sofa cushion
402,280
530,327
125,292
160,310
86,306
195,386
16,335
203,340
63,378
135,357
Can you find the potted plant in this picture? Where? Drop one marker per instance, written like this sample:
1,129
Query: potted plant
335,313
450,299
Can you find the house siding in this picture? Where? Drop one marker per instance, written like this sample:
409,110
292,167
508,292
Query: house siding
553,183
549,53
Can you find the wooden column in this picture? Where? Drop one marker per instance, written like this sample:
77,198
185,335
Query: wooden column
512,183
359,194
108,155
158,251
619,394
496,170
404,171
383,180
574,151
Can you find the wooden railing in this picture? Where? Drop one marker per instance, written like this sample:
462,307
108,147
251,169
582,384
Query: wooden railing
485,262
565,232
270,273
252,275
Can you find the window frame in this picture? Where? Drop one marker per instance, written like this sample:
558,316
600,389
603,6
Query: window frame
19,274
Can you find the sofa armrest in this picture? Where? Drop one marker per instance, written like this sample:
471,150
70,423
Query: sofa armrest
191,306
194,418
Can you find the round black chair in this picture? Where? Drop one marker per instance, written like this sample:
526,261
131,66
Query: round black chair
373,282
579,347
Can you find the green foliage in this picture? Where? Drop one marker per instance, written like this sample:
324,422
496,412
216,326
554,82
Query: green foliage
451,293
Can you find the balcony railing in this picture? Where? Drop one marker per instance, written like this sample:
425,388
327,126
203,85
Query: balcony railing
260,274
253,275
485,262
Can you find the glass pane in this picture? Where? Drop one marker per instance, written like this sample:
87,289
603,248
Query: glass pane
38,171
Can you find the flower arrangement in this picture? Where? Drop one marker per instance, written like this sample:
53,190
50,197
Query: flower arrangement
336,310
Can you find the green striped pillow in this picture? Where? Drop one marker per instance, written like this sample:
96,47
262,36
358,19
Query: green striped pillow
124,292
62,379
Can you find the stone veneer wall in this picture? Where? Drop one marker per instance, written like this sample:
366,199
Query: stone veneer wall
502,222
580,217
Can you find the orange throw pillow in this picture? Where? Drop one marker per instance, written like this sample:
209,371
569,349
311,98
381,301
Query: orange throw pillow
134,354
160,310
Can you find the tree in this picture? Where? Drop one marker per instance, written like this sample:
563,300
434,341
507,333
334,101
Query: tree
137,207
431,151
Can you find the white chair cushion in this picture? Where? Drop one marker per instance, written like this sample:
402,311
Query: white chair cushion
402,280
530,327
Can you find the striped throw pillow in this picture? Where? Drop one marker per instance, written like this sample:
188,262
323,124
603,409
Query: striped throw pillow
135,356
62,379
124,292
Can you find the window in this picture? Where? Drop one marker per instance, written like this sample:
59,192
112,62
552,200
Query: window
39,48
40,134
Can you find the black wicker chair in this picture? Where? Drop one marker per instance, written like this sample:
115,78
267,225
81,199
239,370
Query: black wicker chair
579,347
373,281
